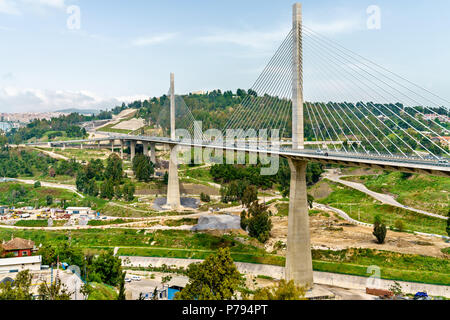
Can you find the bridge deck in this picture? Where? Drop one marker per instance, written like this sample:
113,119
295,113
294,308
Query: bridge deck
410,165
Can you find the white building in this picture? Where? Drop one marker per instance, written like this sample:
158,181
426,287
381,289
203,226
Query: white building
32,263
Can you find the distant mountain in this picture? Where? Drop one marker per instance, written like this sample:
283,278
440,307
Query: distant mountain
80,111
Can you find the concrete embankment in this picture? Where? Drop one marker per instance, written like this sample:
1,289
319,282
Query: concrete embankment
276,272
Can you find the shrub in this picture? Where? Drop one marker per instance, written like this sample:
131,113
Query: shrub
379,230
205,197
448,224
282,291
399,225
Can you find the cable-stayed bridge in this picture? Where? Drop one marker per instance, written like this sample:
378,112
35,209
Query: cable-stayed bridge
315,101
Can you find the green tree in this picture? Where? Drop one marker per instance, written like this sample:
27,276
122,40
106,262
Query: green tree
107,189
448,224
118,191
128,191
249,196
106,268
166,178
49,200
81,181
19,289
282,291
48,254
95,169
205,197
122,287
379,230
217,278
91,188
37,184
311,201
114,168
143,168
166,279
257,221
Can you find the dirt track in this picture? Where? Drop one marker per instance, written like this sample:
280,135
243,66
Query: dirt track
331,232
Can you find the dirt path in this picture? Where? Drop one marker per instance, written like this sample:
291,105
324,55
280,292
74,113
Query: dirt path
53,185
331,233
135,224
383,198
52,154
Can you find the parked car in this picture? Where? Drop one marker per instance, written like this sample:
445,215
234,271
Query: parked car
136,278
127,280
421,296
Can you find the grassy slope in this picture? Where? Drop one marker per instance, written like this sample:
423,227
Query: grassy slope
33,195
39,223
362,207
102,292
183,244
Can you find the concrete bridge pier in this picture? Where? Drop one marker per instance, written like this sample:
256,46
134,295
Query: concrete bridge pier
64,146
98,145
153,153
298,256
112,145
173,187
133,149
81,146
121,148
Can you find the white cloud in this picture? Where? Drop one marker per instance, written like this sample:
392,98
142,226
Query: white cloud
8,76
15,7
14,99
9,7
152,40
60,4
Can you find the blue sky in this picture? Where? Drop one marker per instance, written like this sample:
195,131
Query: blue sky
125,50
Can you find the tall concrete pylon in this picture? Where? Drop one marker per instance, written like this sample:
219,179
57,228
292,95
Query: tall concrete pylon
297,80
173,187
172,106
298,257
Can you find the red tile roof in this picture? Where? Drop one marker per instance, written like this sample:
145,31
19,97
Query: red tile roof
18,244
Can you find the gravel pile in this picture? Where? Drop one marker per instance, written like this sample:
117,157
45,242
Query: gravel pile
218,222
